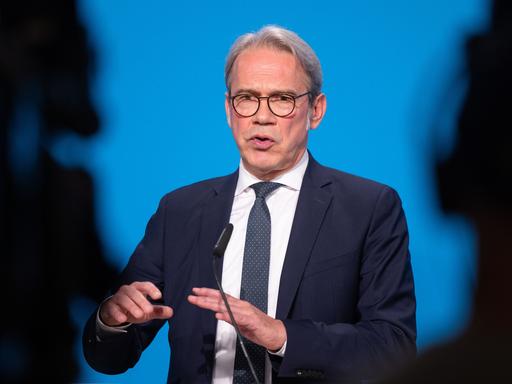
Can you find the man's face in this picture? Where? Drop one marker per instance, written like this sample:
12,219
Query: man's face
270,145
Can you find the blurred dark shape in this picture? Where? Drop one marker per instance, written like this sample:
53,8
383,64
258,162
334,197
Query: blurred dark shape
480,166
475,181
49,244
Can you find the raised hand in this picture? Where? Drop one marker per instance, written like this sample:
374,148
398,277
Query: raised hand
254,324
130,304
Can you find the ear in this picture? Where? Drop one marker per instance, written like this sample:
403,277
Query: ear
227,107
318,111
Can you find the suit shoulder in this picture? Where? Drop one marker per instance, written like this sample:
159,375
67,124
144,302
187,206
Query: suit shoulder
193,194
350,180
359,187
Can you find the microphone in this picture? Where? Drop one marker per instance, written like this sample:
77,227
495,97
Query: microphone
218,252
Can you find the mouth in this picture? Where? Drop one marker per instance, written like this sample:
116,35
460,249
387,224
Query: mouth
261,141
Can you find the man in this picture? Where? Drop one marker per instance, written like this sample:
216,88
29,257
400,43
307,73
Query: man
317,270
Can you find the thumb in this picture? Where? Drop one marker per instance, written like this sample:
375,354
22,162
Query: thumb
162,312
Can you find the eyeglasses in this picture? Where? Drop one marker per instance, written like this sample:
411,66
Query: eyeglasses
280,104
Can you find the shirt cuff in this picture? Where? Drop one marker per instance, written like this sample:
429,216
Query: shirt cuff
104,330
281,351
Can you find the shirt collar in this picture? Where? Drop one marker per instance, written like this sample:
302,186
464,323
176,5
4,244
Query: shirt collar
292,179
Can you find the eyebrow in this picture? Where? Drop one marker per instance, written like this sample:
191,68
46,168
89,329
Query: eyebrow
257,93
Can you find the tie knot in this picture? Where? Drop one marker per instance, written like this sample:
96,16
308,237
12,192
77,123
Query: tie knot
263,188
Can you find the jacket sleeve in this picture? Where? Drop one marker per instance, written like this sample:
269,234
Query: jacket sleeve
115,353
385,330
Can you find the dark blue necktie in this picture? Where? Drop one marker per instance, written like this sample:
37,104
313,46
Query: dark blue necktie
254,287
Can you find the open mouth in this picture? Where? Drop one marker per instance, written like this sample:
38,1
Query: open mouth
262,142
261,139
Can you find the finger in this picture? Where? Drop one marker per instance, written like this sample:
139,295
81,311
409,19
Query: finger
162,312
214,294
223,316
127,305
212,304
112,315
139,299
209,296
208,292
148,288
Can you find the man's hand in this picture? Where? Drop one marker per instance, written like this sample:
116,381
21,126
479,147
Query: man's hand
130,305
253,323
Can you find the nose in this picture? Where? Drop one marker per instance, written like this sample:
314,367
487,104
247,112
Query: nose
264,116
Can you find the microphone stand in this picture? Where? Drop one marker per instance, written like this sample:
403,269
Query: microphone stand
218,252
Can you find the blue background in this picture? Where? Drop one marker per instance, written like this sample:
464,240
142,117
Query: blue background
391,75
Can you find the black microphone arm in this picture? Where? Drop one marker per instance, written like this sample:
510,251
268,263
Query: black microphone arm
218,252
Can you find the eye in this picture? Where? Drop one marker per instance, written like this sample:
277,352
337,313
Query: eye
282,97
244,97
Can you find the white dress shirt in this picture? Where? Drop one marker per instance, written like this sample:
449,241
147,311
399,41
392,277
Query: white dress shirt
282,204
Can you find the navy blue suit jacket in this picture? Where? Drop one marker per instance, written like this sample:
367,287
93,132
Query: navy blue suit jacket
346,293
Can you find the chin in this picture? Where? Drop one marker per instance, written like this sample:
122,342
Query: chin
261,167
260,159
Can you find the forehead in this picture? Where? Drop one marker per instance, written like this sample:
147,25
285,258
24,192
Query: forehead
266,70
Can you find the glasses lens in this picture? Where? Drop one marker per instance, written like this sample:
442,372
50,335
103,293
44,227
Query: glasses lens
281,104
245,104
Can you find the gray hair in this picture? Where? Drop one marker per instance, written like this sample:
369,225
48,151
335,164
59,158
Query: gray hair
282,39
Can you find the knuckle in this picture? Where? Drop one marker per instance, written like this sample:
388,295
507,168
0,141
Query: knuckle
137,314
147,311
122,289
114,300
147,308
138,284
149,285
126,290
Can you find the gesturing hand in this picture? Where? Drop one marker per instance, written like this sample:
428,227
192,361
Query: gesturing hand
130,304
253,323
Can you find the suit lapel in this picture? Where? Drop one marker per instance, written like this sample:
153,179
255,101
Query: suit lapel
215,217
311,207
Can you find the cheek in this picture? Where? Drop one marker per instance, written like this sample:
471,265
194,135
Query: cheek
238,132
295,136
